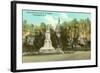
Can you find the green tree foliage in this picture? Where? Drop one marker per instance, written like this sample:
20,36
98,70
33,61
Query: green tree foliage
74,34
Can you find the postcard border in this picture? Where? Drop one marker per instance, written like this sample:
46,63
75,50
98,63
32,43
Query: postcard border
13,35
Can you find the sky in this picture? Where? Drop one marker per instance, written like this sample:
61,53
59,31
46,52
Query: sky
51,17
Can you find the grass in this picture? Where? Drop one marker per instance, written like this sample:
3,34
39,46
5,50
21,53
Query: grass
79,55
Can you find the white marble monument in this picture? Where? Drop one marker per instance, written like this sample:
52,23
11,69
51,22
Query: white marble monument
47,48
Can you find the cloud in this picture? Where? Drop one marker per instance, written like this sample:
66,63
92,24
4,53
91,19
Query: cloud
51,20
63,17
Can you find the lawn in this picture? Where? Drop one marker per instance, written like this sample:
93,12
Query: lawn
78,55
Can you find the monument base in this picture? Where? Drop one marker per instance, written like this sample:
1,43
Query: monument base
47,50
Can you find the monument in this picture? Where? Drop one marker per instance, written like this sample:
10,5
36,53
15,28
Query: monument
57,30
47,48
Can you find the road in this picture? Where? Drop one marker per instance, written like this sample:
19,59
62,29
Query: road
79,55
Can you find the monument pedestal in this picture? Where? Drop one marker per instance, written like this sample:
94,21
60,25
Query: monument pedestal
47,48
